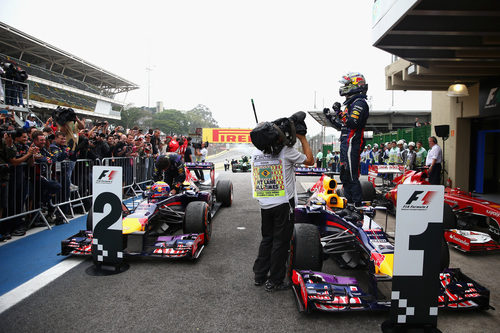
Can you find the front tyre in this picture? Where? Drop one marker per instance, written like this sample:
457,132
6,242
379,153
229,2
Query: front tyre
224,192
197,220
306,251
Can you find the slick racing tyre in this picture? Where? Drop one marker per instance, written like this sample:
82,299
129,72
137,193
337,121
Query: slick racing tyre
449,218
197,220
306,251
367,190
224,192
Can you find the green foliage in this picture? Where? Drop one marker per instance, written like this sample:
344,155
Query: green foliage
200,116
131,116
173,121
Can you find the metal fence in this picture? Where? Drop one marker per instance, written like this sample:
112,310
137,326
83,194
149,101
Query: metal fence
32,192
15,93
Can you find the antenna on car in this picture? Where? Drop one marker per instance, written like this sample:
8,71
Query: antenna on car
254,112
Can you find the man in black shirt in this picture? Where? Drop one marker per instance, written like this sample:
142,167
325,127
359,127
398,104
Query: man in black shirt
101,146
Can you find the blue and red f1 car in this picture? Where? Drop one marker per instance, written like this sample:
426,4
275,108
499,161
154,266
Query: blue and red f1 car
150,229
325,228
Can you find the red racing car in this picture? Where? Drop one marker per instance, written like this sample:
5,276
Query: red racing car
473,224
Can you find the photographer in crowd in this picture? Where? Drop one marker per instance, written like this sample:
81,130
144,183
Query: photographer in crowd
277,199
351,122
39,164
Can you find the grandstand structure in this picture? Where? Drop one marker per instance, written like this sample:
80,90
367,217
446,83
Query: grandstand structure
58,78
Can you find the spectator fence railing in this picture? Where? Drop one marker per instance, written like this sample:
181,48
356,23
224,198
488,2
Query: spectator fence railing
128,172
24,194
75,178
12,88
144,170
31,189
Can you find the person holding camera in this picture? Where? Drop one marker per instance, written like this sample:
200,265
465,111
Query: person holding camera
273,185
351,122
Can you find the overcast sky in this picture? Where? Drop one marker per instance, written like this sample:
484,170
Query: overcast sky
222,53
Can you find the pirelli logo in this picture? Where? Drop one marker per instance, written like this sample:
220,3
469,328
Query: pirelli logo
227,135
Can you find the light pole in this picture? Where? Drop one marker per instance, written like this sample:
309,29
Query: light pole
149,85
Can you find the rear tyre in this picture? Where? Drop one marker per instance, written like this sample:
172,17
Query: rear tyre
306,251
224,192
197,220
367,190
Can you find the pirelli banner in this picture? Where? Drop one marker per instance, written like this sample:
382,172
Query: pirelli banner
227,135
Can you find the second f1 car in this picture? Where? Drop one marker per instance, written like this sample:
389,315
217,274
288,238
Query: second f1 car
151,229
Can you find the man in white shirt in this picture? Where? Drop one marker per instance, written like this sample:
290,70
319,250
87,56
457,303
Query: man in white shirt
433,161
276,204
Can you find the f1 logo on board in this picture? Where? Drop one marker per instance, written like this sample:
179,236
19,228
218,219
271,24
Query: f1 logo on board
106,177
419,200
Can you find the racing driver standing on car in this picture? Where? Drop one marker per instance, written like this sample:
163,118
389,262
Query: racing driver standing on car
170,168
351,122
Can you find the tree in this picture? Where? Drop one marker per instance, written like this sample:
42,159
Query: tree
171,121
200,116
131,117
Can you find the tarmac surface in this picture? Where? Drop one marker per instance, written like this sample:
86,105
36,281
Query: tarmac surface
216,292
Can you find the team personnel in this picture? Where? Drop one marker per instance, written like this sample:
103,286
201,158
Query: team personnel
433,161
351,122
409,156
170,169
421,155
277,215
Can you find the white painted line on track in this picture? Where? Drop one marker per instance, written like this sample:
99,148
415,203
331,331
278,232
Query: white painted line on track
38,282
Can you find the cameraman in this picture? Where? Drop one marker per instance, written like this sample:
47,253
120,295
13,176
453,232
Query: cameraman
277,207
351,122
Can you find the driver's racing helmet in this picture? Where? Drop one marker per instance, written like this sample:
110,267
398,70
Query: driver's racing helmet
159,190
353,83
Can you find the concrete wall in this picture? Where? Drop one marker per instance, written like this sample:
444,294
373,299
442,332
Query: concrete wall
456,113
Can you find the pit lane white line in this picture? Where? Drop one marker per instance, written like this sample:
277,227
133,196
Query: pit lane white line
26,289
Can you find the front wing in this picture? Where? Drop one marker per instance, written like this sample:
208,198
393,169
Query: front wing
470,241
325,292
178,246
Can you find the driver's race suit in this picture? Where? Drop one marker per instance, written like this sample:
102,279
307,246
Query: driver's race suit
175,174
353,120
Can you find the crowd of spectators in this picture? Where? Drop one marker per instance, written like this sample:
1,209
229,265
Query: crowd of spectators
27,152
